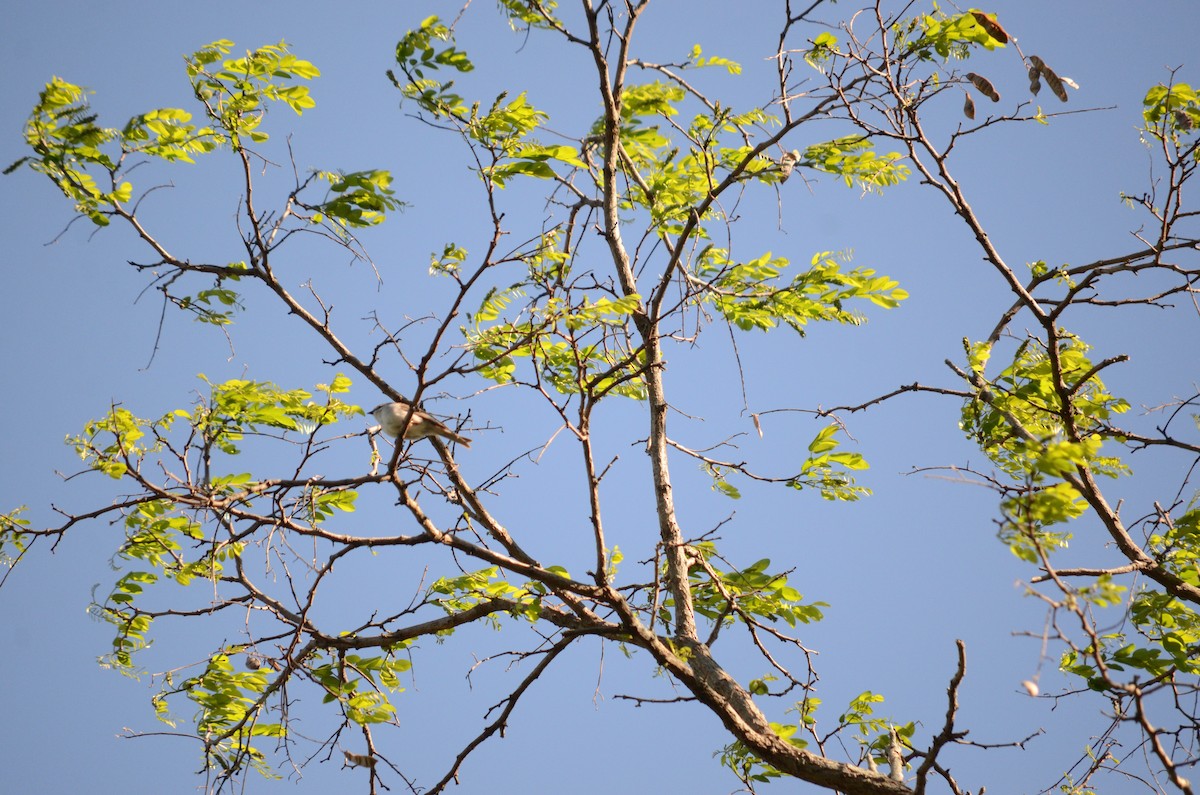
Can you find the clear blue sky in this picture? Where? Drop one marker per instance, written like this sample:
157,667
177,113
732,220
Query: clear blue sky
905,571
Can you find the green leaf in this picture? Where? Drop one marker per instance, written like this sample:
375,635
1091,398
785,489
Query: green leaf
450,261
696,61
854,159
357,199
955,35
827,471
751,294
824,440
1175,109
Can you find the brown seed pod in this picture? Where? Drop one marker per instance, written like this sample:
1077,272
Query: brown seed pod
1055,83
984,86
991,26
969,107
1038,67
1035,85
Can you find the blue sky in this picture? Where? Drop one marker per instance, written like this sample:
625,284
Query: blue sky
905,571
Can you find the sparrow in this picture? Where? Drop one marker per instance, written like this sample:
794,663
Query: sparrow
787,163
393,416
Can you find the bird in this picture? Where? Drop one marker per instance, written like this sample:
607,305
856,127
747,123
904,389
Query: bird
787,163
394,415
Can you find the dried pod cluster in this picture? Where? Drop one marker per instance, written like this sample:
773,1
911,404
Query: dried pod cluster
983,86
1038,71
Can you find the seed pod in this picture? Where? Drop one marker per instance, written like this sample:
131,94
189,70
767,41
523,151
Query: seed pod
969,107
1055,83
991,26
1035,74
984,86
1039,67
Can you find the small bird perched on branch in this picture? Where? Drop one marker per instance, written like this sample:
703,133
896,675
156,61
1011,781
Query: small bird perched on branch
787,163
393,416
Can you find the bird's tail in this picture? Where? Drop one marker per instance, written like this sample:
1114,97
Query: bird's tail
457,437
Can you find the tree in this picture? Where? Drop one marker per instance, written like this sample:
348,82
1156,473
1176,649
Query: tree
571,315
